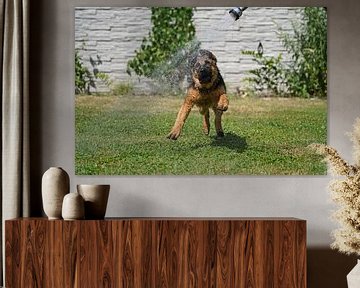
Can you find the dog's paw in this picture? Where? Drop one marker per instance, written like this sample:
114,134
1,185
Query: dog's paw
206,128
222,106
220,134
173,135
223,109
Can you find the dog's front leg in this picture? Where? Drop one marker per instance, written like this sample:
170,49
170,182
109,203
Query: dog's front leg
221,106
218,126
223,103
206,122
206,119
180,119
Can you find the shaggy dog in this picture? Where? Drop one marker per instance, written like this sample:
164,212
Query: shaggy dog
206,90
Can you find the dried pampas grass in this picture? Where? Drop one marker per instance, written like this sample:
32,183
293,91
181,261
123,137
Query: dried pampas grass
345,191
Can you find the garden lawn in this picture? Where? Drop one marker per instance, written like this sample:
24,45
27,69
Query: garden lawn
126,135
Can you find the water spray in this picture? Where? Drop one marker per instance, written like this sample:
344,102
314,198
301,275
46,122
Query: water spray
236,12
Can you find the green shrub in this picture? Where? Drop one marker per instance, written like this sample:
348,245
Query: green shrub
84,79
269,77
307,76
172,29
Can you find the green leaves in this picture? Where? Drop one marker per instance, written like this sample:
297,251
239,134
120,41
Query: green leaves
306,76
172,29
270,76
84,79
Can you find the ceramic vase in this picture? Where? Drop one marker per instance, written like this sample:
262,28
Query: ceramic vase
73,207
96,198
353,278
55,185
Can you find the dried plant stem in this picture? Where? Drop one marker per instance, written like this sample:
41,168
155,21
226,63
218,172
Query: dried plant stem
345,191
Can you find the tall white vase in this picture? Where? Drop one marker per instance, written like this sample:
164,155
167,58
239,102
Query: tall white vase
353,278
55,185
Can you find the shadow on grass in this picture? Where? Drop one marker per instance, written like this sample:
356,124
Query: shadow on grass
231,141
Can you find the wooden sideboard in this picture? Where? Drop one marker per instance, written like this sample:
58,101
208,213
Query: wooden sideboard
156,252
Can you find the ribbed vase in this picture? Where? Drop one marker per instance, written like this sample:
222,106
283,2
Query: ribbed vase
55,185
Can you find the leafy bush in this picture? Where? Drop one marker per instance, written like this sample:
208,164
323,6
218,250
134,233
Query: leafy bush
306,75
270,76
172,29
84,79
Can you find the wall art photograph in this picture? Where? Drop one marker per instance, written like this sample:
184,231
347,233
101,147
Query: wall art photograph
200,90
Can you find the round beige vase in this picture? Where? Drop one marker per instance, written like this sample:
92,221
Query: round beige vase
96,198
54,186
73,207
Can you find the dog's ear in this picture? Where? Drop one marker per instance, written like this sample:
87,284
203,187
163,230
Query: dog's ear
207,53
212,56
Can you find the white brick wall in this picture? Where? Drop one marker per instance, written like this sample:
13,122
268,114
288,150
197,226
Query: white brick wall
114,34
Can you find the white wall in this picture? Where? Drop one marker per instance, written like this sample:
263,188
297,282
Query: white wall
115,33
304,197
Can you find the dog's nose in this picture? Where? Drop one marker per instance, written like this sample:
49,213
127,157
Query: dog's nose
204,70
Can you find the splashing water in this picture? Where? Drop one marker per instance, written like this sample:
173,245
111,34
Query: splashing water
171,75
223,26
226,22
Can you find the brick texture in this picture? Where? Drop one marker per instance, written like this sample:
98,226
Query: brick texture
115,33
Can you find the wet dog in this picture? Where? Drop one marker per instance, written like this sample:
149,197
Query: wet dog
206,90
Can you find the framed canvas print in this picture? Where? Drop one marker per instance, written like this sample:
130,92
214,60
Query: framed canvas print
200,90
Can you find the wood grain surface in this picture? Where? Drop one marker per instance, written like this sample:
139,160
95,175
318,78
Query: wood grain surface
137,253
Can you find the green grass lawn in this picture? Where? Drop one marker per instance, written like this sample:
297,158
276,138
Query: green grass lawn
126,135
